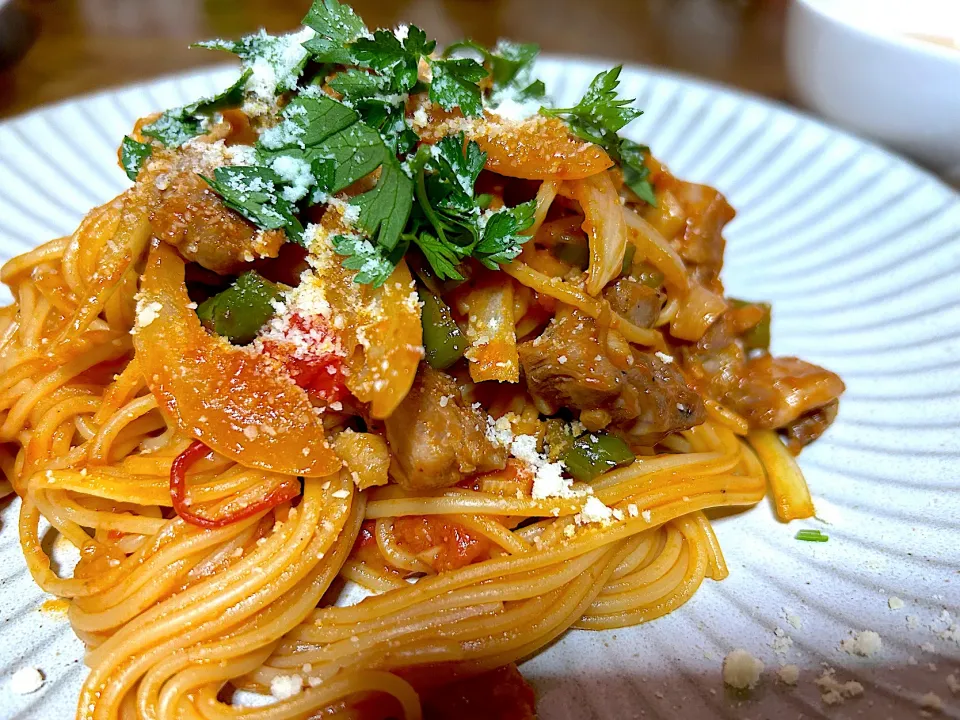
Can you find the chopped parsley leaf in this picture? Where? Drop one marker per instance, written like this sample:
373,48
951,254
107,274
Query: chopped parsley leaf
424,195
458,165
510,67
811,536
598,118
384,209
336,26
501,238
454,84
395,61
372,263
442,256
132,155
255,193
175,127
277,60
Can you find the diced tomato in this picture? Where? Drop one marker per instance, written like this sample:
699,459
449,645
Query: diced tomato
455,545
500,694
311,353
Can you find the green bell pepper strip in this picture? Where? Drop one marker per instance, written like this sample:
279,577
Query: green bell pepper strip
647,274
442,339
593,454
242,309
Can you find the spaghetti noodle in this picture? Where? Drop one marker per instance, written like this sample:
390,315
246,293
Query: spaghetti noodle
511,418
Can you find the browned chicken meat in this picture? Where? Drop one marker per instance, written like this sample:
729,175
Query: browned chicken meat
634,301
701,243
772,393
192,218
437,439
567,367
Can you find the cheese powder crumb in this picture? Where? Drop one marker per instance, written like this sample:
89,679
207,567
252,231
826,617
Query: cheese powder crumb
548,480
931,701
285,686
741,670
147,313
594,511
833,692
789,674
26,681
865,644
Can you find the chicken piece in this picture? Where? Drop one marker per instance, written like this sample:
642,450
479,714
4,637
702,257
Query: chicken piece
191,217
701,244
436,439
634,301
807,428
567,367
772,393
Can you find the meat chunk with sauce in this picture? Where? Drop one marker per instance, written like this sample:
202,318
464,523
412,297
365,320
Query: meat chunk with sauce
437,439
775,392
634,301
701,243
566,367
771,393
191,217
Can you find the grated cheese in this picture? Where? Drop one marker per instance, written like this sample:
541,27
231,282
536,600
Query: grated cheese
147,313
741,670
646,515
594,511
285,686
512,111
953,684
781,642
788,674
297,173
833,692
865,644
26,680
931,701
894,603
340,494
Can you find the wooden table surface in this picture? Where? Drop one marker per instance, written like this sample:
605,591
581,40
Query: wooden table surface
79,46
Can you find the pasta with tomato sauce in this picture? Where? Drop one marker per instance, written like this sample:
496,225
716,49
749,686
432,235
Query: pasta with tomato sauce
379,321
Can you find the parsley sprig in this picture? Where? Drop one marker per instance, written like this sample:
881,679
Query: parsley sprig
599,117
174,127
510,66
331,110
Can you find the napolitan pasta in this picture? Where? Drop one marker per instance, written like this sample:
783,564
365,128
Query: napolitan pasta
379,316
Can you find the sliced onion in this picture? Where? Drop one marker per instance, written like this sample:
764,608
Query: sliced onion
605,228
232,399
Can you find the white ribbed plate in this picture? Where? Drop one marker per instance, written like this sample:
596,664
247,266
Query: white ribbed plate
858,250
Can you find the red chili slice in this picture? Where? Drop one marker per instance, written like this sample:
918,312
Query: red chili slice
288,490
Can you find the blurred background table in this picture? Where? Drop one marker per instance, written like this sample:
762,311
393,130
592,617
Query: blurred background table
80,46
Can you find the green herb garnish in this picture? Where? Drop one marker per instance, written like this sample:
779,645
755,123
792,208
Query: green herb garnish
255,193
344,119
599,117
174,127
811,536
510,66
454,84
132,156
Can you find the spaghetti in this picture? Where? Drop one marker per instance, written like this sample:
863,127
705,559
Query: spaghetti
236,398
